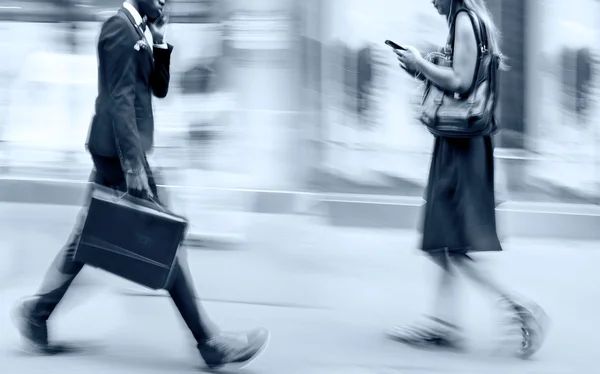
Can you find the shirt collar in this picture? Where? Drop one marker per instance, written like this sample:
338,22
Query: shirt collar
134,13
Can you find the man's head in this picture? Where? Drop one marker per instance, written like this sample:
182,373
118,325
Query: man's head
151,9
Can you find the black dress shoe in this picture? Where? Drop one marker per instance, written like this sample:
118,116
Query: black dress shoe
34,332
234,349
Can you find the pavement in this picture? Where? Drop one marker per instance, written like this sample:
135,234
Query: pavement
327,293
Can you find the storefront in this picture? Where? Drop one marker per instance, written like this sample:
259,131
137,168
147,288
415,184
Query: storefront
562,128
372,141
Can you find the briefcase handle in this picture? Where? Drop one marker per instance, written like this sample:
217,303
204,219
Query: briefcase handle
162,208
149,199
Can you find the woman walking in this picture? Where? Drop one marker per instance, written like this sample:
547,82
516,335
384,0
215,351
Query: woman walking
460,209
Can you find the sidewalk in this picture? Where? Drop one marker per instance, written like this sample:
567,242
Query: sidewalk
326,293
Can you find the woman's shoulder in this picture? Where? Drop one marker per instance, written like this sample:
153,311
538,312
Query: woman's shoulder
464,16
463,22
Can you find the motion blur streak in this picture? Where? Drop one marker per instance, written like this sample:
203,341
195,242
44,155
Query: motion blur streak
291,135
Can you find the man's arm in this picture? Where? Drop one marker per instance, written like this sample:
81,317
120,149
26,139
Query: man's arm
161,75
119,56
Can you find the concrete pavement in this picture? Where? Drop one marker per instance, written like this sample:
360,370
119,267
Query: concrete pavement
327,293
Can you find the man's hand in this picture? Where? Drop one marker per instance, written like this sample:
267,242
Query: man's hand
158,29
137,184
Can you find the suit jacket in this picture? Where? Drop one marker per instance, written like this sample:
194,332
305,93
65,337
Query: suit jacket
128,76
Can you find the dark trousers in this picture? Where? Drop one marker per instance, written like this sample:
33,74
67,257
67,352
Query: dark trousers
64,269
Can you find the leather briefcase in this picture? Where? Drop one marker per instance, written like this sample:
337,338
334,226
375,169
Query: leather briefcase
132,238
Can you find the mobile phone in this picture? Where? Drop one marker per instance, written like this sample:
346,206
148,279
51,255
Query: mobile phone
394,45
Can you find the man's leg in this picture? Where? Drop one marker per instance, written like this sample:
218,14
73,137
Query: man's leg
33,313
216,348
184,297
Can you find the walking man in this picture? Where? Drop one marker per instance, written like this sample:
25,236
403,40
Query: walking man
133,65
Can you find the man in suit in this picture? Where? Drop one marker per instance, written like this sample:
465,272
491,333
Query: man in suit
133,64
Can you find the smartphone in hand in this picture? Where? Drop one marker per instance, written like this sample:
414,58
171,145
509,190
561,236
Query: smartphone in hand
394,45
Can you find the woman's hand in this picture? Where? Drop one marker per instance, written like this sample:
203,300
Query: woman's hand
409,59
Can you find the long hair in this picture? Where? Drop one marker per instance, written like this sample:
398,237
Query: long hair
494,36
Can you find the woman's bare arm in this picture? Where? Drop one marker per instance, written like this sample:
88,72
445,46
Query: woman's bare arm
459,77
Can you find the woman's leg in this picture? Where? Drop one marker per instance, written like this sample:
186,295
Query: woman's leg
439,329
445,303
525,319
468,266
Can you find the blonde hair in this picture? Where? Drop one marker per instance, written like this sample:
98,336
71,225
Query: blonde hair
493,33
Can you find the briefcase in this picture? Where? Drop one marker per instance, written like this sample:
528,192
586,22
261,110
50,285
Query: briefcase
132,238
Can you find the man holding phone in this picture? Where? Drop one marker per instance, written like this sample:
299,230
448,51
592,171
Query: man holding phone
133,64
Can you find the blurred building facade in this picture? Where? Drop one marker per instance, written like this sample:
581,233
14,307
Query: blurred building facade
549,146
304,96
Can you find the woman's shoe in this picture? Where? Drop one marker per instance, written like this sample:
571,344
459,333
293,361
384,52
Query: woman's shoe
530,322
433,333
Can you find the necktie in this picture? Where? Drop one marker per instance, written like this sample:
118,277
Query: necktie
143,26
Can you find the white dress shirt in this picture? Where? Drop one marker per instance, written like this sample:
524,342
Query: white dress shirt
138,20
